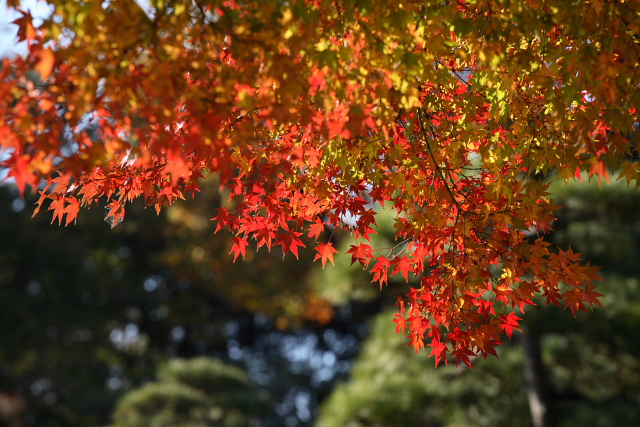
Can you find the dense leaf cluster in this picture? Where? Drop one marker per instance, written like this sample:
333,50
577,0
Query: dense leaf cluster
313,113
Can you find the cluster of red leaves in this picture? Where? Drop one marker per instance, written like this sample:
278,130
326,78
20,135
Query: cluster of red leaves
313,114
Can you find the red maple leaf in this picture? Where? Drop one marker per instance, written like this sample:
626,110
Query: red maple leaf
590,296
462,355
336,128
290,242
224,219
239,247
381,270
362,253
19,169
552,296
265,236
573,301
403,266
509,323
317,81
401,323
364,232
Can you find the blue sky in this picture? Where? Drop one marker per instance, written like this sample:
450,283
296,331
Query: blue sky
8,31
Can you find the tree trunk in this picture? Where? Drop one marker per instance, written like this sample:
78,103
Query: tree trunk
538,391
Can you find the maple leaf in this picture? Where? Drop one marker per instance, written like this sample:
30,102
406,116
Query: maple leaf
552,296
290,242
599,169
325,252
46,60
364,232
417,342
403,266
629,171
509,323
439,351
58,207
223,219
463,354
26,30
590,296
115,213
573,300
20,170
401,323
265,237
362,253
317,81
381,271
90,191
71,210
336,128
316,228
239,247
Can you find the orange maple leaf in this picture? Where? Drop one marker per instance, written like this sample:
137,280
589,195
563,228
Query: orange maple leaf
46,61
325,252
316,228
417,342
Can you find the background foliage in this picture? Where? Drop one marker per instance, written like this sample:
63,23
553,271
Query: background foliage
86,320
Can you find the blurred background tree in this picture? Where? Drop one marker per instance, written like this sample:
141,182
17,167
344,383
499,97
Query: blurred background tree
197,392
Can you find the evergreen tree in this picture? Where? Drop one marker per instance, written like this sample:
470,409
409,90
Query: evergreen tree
197,392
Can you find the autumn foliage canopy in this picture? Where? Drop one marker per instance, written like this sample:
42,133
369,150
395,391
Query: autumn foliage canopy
313,114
